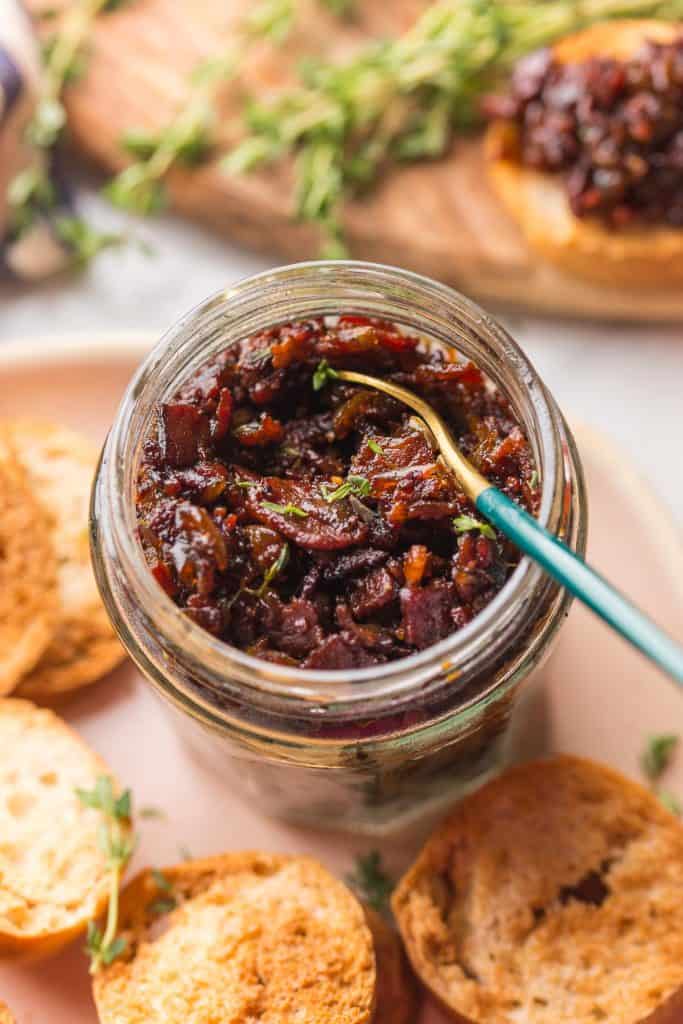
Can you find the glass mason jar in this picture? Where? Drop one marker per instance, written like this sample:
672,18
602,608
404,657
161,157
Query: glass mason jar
370,749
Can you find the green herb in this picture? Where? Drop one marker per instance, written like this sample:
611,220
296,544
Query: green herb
163,906
284,510
533,479
374,447
274,570
356,485
246,483
161,881
151,812
168,903
31,193
324,373
187,139
117,844
371,882
670,801
657,755
654,762
404,99
83,241
462,524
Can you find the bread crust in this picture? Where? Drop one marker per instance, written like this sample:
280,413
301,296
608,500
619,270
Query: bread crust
252,935
61,465
53,876
648,257
28,572
553,896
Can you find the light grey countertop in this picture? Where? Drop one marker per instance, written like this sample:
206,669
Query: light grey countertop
626,381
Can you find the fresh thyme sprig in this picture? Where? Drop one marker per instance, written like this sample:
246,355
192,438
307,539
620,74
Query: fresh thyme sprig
188,137
31,192
371,882
117,843
405,98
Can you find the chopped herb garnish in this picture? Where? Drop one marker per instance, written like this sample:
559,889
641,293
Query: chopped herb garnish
670,801
374,447
462,524
533,479
323,375
657,755
274,570
357,485
284,510
246,483
371,882
117,843
161,881
163,906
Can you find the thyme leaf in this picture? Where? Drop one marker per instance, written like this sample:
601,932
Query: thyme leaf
462,524
284,510
654,762
375,447
274,570
357,485
657,755
371,882
324,373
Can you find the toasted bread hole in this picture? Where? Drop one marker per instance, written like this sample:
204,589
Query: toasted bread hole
589,889
19,804
48,779
598,1013
540,1002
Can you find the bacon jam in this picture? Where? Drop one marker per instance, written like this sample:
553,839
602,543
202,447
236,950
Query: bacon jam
308,521
613,129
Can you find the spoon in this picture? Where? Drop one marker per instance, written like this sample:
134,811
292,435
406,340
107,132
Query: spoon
534,540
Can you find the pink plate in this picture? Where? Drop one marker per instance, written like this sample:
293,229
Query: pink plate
597,698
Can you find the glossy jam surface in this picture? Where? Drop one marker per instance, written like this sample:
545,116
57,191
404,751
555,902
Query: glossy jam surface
614,129
308,521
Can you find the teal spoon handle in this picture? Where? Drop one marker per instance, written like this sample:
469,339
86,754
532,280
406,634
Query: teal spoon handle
582,581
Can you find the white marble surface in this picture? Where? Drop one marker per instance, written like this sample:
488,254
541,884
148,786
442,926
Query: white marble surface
626,381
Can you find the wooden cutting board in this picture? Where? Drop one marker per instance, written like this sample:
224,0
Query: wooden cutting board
437,218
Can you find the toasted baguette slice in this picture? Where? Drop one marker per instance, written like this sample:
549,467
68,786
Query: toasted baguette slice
253,936
554,895
643,257
28,572
53,876
61,465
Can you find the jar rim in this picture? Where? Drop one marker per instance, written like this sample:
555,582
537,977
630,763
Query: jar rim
121,458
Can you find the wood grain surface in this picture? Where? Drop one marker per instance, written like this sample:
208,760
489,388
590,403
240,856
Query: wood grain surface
438,218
